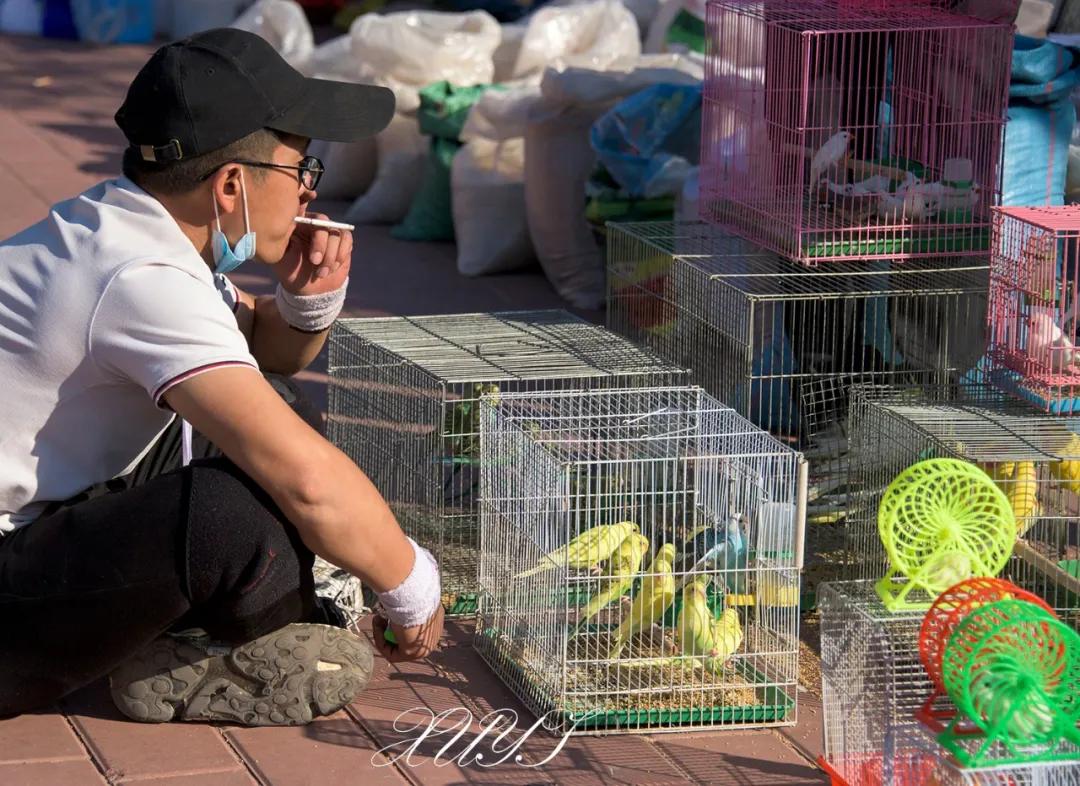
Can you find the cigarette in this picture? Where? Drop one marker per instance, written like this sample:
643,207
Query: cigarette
319,222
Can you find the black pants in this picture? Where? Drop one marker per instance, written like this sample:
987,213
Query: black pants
99,576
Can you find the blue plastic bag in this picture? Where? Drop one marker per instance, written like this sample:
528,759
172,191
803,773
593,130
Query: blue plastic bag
1041,118
114,21
649,141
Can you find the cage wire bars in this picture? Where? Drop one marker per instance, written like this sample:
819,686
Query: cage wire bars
841,130
403,397
1031,455
717,506
1034,298
782,344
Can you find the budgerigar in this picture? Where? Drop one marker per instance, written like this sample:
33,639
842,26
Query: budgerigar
727,636
461,426
1067,472
694,627
713,548
1047,343
829,155
656,594
623,566
586,551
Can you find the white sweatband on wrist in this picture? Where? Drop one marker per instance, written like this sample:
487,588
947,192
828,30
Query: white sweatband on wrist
310,313
413,601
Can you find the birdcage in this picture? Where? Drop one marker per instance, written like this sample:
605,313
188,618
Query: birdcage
872,684
691,620
1032,457
838,130
782,344
403,394
1035,272
918,760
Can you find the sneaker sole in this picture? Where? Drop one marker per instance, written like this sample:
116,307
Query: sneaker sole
284,678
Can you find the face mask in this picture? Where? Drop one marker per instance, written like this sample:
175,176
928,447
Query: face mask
228,259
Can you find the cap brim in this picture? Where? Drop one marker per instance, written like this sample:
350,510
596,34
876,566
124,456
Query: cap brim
337,111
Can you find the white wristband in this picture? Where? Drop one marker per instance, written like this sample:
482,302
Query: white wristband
310,313
413,601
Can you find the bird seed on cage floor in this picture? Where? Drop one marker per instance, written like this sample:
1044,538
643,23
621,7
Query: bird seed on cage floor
645,681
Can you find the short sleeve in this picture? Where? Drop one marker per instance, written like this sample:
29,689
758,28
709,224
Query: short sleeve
158,325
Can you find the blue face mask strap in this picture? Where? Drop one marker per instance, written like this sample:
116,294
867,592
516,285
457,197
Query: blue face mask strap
243,201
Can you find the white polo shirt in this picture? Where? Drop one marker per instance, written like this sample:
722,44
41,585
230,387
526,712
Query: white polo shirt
104,306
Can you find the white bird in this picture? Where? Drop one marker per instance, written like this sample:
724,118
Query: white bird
828,156
875,184
913,205
1047,343
909,181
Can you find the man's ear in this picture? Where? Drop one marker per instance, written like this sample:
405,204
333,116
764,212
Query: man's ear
226,188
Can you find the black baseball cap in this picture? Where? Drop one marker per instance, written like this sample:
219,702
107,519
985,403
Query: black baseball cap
206,91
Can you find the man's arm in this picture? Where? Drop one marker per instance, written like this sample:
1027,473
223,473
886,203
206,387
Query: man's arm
279,347
333,505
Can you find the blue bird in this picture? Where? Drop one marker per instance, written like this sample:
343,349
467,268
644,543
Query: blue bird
716,548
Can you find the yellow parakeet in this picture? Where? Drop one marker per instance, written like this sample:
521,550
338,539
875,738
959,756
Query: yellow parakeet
623,566
656,594
694,628
727,636
1067,473
587,550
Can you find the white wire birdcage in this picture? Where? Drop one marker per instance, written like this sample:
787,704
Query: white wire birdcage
874,685
1033,457
837,130
403,396
707,511
782,344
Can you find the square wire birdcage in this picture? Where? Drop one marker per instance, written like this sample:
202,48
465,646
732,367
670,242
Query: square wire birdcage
403,397
1032,456
1034,304
872,684
836,130
782,345
715,507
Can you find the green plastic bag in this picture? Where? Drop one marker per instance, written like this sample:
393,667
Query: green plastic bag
442,114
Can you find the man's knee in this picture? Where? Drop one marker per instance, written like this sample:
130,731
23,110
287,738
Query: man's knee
248,570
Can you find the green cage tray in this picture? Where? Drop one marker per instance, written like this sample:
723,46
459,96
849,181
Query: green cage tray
775,706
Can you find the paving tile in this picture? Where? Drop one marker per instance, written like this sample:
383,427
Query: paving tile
739,758
58,773
808,735
327,751
586,760
127,749
237,777
38,737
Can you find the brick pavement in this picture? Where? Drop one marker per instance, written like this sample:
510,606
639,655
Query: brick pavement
57,138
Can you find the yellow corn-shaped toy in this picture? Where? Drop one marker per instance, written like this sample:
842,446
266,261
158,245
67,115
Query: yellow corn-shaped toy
1067,473
587,550
1022,491
727,637
623,566
656,594
694,628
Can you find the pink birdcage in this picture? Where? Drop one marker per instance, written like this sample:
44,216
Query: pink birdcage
853,129
1034,304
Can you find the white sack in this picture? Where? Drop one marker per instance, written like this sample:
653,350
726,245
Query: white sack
487,180
350,167
284,24
559,160
400,151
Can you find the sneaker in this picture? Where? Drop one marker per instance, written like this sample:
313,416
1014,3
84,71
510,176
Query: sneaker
340,593
284,678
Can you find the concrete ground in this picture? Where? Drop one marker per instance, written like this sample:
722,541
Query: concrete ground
57,138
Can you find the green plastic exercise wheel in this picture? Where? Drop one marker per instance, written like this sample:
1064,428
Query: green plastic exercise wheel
941,521
1013,670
